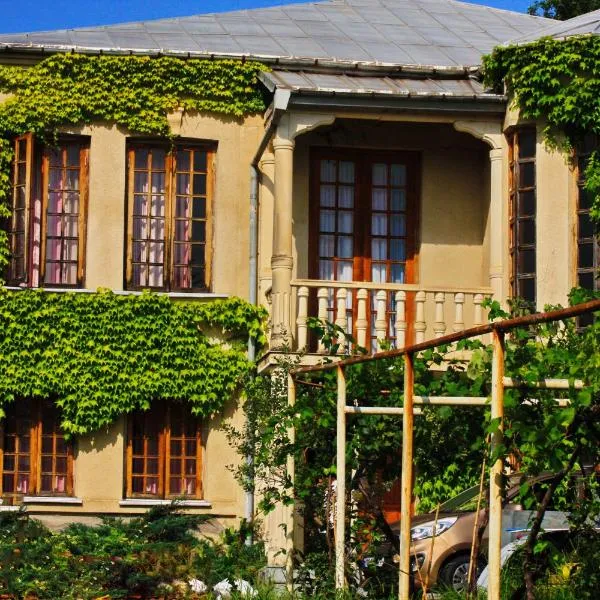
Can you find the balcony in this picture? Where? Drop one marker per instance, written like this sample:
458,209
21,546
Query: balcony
383,314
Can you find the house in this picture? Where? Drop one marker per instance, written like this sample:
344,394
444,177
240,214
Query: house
394,192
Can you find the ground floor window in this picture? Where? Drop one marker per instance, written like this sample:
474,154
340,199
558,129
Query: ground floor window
164,453
35,457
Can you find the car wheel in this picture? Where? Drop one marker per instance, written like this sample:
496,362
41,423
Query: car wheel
455,573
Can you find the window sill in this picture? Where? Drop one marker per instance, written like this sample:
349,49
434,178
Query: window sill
52,500
191,295
138,502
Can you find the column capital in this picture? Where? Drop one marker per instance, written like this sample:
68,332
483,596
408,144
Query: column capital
267,159
294,124
496,154
283,144
488,131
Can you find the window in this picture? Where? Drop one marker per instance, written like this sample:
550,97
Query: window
35,457
49,200
522,212
169,231
164,453
364,221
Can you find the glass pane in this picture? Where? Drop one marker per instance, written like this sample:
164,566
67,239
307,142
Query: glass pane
71,224
140,275
157,229
526,261
526,204
53,249
151,485
199,186
183,253
398,175
345,247
328,168
398,200
175,466
198,231
326,270
139,252
198,254
199,276
69,273
527,175
71,202
70,250
190,448
397,249
54,201
155,276
72,179
378,249
190,466
586,227
586,281
379,198
152,465
326,245
176,447
47,445
54,225
346,171
397,275
199,160
158,159
379,174
327,220
73,152
345,222
526,289
61,464
9,462
140,182
183,160
199,210
158,183
141,158
346,196
378,224
156,253
137,485
526,144
158,206
398,225
378,273
586,256
527,231
328,195
182,206
585,199
47,483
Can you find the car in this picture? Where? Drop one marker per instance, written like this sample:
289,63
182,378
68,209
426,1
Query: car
448,564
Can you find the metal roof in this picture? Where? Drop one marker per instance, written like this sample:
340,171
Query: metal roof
435,33
587,24
354,85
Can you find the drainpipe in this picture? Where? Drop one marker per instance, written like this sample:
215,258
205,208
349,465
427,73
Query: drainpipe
279,106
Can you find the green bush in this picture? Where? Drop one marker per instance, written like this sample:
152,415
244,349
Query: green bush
150,557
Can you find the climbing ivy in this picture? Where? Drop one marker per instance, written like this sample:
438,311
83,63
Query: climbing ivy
556,82
101,355
135,92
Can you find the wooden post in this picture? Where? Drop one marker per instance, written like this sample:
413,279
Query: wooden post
497,408
302,331
407,478
340,512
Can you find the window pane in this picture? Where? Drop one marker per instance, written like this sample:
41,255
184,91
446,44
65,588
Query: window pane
398,225
526,261
526,231
397,275
326,270
398,175
379,174
326,245
328,170
141,158
158,159
379,199
526,201
586,255
199,187
199,211
346,171
527,175
586,227
345,247
183,160
199,160
346,196
378,249
345,222
527,144
378,274
328,195
397,249
379,224
398,200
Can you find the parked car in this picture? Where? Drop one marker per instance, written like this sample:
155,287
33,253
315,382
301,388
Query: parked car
448,564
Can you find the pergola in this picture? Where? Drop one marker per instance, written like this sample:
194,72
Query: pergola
498,330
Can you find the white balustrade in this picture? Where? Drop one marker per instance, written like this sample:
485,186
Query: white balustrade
364,309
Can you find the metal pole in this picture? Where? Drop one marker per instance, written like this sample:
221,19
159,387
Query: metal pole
495,530
340,508
407,478
289,514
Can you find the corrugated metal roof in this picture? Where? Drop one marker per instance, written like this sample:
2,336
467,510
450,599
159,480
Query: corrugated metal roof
405,87
440,33
588,24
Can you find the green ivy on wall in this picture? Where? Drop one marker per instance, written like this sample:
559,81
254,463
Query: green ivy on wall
101,355
556,82
135,92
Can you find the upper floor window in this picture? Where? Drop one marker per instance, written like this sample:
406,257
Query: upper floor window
169,207
522,213
34,455
46,230
164,453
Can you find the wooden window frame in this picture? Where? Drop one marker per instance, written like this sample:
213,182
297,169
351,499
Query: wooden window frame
37,179
36,434
162,412
515,190
170,218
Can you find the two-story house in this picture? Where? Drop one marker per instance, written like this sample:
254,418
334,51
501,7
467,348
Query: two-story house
394,193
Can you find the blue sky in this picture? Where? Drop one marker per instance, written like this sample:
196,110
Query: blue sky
39,15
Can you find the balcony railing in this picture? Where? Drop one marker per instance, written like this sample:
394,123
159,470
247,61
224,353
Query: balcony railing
384,314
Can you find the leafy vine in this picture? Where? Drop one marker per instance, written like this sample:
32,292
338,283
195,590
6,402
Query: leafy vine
101,355
556,82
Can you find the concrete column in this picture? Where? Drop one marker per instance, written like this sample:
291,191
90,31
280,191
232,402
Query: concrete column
497,224
281,259
265,224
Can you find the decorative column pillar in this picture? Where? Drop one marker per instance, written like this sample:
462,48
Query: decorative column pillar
265,226
497,224
282,261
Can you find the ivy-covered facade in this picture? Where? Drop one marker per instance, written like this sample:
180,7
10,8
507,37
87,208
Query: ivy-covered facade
289,157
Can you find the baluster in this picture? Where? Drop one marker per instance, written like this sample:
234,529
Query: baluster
459,320
323,304
401,324
380,319
439,326
361,317
341,319
478,317
302,330
420,326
